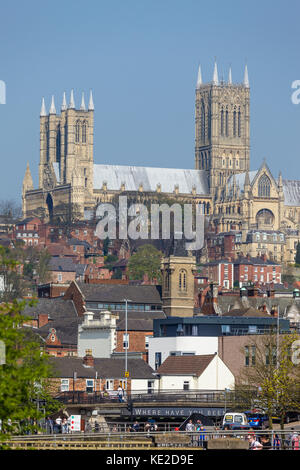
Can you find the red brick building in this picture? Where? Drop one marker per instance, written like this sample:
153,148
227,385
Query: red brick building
221,272
229,274
259,271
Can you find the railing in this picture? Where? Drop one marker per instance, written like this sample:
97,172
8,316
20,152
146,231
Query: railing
199,440
207,397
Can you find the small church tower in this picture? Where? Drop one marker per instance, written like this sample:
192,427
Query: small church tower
178,285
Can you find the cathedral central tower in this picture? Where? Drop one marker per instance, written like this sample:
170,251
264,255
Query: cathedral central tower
222,128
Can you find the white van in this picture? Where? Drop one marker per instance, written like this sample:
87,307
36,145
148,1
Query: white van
235,421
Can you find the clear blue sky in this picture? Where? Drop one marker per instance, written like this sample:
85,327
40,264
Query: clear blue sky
140,57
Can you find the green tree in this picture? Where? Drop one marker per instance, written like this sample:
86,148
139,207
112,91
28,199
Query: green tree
274,376
117,274
106,243
145,261
23,376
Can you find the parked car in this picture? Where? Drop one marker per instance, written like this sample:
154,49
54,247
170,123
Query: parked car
235,420
257,420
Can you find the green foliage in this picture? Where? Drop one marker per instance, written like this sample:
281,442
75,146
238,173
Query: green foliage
273,374
106,243
145,261
23,377
117,274
35,269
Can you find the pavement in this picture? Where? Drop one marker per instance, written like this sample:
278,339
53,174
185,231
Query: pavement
293,424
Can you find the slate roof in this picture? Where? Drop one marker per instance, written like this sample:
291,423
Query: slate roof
291,192
228,302
62,264
119,292
108,368
62,317
185,365
240,179
133,176
246,312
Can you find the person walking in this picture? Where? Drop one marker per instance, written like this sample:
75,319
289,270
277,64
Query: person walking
254,444
49,425
120,394
295,441
201,436
190,426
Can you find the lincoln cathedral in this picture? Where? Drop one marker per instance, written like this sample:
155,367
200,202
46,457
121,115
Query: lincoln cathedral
233,196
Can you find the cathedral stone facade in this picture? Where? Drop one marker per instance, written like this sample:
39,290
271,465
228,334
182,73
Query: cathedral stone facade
233,196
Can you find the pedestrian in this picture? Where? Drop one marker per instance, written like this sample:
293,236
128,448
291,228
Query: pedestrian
120,394
49,425
201,436
266,443
190,427
136,427
295,441
254,443
276,442
96,426
64,426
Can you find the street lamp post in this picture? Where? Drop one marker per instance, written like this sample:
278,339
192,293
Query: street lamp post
126,336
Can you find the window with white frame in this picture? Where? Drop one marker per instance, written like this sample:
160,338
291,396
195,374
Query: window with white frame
109,384
146,342
186,385
64,385
125,341
89,385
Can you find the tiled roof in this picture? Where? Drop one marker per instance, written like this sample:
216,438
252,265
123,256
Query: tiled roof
119,292
108,368
185,365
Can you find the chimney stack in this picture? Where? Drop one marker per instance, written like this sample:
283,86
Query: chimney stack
88,359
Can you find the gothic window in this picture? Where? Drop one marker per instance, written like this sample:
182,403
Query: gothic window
239,123
226,123
234,123
222,121
58,139
77,132
182,280
203,121
264,186
84,132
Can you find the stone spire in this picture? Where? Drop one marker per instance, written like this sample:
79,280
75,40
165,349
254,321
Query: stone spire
246,77
199,78
52,109
91,102
43,108
215,75
82,106
72,101
230,77
27,181
64,102
247,183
